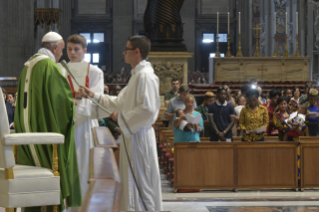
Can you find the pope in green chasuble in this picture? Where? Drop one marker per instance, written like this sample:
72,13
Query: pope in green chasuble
45,99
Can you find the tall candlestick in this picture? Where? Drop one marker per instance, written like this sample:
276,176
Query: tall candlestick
239,21
297,23
275,24
228,23
286,24
217,23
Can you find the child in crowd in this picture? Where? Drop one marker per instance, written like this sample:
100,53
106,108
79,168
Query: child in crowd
297,119
241,103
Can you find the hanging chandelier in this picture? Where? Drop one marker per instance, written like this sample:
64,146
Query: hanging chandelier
47,17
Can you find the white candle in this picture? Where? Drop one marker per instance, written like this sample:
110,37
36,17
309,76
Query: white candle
297,23
228,23
286,24
275,24
217,23
239,22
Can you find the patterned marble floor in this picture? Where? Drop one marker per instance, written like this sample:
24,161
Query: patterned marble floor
242,201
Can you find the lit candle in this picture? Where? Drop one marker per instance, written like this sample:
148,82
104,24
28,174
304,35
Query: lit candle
239,22
217,23
275,24
228,23
297,23
286,24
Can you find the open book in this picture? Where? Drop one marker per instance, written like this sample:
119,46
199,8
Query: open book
79,71
192,119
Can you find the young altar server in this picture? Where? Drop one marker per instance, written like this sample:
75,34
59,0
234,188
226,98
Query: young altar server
85,114
138,106
45,99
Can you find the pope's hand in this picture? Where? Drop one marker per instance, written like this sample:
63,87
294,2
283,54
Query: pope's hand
85,92
114,116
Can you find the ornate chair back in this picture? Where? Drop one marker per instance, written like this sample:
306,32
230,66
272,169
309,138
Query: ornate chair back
6,152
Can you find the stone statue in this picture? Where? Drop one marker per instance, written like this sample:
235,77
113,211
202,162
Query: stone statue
166,72
163,25
316,22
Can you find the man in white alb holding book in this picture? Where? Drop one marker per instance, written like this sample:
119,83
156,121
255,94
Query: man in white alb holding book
85,115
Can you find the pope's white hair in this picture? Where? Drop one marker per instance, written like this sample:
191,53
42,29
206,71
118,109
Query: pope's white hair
49,45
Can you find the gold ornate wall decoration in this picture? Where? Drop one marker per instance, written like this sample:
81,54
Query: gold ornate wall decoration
166,72
47,16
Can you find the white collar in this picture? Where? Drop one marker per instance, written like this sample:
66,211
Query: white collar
48,53
219,104
140,66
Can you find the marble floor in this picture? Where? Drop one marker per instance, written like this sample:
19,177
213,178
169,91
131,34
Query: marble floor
280,200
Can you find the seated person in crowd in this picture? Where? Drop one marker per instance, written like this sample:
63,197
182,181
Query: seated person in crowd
10,98
184,125
313,107
10,109
274,94
280,123
106,89
203,109
177,103
173,93
222,117
241,103
187,136
253,117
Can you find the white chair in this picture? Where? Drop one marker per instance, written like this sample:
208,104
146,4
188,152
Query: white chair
26,186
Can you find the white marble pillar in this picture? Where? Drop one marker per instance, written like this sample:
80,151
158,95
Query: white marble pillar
310,38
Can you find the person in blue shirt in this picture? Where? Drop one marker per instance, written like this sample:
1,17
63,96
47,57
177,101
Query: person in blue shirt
312,106
222,117
188,136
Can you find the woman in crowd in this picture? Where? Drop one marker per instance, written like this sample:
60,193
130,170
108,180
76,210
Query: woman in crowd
188,136
280,122
271,107
252,117
313,107
241,103
294,101
288,93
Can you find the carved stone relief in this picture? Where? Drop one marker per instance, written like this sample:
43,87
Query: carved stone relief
166,72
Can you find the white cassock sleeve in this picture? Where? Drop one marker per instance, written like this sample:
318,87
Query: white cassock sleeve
145,109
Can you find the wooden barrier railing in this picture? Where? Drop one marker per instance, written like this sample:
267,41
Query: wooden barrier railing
235,165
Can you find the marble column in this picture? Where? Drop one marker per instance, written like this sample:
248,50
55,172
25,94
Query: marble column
17,33
309,38
122,29
66,16
188,19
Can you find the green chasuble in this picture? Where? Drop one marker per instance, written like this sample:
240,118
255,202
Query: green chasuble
50,108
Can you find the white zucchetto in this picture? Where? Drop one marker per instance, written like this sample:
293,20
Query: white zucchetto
51,37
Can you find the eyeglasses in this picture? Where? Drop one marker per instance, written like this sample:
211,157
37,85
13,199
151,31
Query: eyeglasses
126,49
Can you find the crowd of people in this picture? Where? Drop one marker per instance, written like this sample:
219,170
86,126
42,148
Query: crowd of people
285,113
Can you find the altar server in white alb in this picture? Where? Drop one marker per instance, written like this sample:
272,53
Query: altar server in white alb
137,107
85,115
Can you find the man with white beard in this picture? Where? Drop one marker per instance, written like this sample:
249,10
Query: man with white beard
138,106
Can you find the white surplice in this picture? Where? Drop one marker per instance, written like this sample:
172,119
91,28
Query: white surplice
85,119
138,106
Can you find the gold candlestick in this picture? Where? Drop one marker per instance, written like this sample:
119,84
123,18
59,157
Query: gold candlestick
275,54
297,54
239,53
286,54
257,43
217,48
228,53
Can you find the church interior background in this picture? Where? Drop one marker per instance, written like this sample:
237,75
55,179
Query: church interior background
106,24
